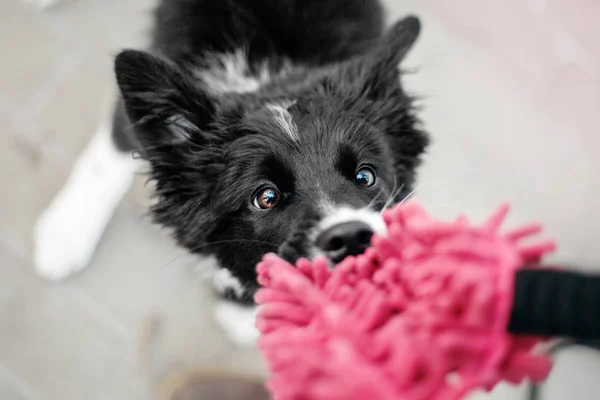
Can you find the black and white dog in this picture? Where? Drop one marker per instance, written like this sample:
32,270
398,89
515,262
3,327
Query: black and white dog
269,126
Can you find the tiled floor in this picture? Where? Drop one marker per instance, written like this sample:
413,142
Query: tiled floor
80,339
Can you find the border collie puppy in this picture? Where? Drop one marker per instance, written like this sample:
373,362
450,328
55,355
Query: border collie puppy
268,125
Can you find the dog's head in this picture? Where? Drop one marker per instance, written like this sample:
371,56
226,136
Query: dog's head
301,167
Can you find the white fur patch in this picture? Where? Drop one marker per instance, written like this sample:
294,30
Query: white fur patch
335,215
238,322
223,280
220,278
68,231
339,215
284,119
231,73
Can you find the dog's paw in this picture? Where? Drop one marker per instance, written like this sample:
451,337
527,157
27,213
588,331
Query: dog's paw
238,322
63,243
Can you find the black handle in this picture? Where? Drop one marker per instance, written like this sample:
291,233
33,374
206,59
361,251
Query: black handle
556,303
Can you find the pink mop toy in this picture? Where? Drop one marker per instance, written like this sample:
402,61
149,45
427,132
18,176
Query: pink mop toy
428,312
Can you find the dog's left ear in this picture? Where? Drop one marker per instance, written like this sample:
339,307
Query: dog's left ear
376,74
165,105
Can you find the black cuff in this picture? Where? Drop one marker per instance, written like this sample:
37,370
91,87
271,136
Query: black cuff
556,303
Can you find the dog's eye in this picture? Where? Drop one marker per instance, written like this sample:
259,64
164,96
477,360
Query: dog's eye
267,198
365,176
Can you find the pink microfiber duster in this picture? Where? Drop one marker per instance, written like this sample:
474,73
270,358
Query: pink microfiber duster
423,314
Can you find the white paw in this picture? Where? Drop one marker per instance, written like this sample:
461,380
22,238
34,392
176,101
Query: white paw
67,233
238,322
63,244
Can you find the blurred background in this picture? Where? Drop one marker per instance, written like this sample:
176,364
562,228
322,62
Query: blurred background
510,94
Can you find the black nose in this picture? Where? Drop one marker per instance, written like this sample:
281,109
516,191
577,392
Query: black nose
345,239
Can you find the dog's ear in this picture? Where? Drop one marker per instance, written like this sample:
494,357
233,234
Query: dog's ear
164,105
382,68
376,74
370,85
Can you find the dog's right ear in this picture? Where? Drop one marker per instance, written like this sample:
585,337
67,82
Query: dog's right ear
164,105
376,75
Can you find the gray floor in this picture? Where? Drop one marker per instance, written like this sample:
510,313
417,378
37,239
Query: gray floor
81,339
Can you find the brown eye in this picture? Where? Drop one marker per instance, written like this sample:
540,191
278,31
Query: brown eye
267,198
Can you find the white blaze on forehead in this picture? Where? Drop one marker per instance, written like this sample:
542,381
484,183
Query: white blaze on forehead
230,72
284,120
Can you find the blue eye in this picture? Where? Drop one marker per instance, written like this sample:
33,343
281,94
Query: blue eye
266,198
365,176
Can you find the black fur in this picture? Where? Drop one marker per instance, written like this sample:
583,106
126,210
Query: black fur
210,152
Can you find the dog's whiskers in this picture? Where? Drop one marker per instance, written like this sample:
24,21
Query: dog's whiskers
391,198
374,198
459,175
409,195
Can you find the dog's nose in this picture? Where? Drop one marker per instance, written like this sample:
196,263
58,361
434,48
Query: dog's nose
345,239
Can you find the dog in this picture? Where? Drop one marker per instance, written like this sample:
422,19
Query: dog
269,126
